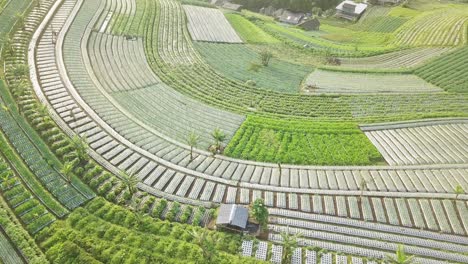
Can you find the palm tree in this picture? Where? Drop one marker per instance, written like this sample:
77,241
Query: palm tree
206,243
20,21
290,243
6,180
458,190
192,141
20,70
67,171
7,45
80,147
219,137
130,180
400,257
43,111
5,108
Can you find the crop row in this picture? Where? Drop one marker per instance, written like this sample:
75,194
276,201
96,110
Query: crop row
448,71
69,194
444,27
167,44
403,59
248,31
323,81
18,236
238,62
209,24
281,142
92,233
29,209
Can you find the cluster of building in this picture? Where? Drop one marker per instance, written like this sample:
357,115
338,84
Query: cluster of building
347,9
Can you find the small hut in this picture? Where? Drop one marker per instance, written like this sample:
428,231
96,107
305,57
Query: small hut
291,17
231,6
310,24
233,217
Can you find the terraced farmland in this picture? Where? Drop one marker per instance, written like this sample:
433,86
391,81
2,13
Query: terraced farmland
236,62
355,175
377,19
322,81
300,142
438,28
208,24
404,59
448,71
248,31
433,143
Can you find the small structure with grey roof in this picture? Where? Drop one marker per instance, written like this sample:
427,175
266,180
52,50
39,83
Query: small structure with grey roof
310,24
291,17
231,6
267,11
218,2
232,216
350,10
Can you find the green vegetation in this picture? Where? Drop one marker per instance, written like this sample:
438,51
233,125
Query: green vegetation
442,27
248,31
29,209
235,61
302,142
18,236
448,72
39,159
322,81
332,39
102,232
9,15
198,80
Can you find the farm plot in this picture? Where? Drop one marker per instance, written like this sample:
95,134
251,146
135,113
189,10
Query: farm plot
432,144
237,61
8,11
100,225
376,19
122,70
120,64
446,27
117,16
167,46
248,31
301,142
321,81
177,116
448,72
394,60
209,24
8,254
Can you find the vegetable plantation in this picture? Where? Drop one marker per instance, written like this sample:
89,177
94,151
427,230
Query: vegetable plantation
248,31
102,232
448,72
243,64
442,27
302,142
322,81
341,135
208,24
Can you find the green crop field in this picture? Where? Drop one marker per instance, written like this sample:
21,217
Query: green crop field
448,72
248,31
153,131
302,142
235,61
342,82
